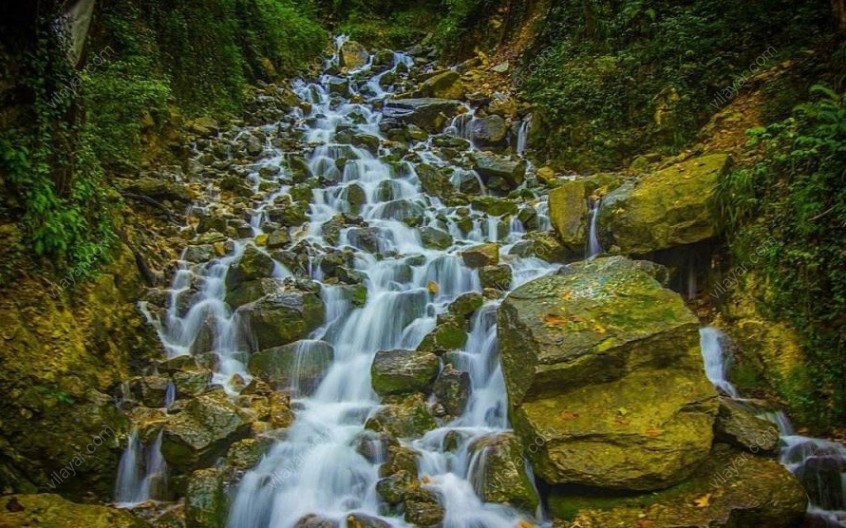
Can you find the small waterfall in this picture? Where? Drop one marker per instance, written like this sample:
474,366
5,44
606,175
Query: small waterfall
142,474
716,367
594,248
523,135
820,465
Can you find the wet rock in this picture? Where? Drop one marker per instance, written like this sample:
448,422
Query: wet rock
739,427
603,368
279,238
435,181
364,238
496,277
444,85
422,508
499,471
288,213
53,511
353,55
192,382
448,335
489,131
730,489
400,459
568,214
198,253
281,318
434,238
355,196
481,255
251,291
671,207
452,390
339,86
494,206
466,305
367,142
373,446
393,488
205,499
407,419
403,371
254,264
403,210
246,453
302,364
203,431
360,520
149,390
499,173
430,114
541,245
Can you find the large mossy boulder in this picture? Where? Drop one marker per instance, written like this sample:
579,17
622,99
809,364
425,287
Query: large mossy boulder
738,426
353,55
604,374
403,371
443,85
499,173
300,365
281,318
568,214
668,208
499,472
53,511
731,489
203,431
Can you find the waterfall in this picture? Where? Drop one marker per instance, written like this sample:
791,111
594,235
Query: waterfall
142,474
523,135
594,248
820,465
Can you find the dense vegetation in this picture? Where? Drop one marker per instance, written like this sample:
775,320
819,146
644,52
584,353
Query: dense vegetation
795,195
146,62
612,79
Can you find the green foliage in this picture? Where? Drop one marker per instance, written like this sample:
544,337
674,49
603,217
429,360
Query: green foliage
796,195
55,175
612,79
462,16
383,23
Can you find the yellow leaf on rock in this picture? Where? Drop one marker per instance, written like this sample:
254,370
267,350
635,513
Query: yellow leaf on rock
432,287
703,502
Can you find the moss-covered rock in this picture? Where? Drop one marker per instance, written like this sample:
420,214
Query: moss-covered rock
738,427
544,246
568,214
403,371
301,364
430,114
353,55
281,318
408,419
203,431
53,511
663,209
499,472
452,390
731,489
205,499
603,371
496,277
499,173
443,85
254,265
481,255
422,508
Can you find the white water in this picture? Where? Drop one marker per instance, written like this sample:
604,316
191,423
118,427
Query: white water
142,473
594,248
819,464
523,135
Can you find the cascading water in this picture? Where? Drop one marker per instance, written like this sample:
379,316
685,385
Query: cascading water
317,469
819,464
523,135
594,248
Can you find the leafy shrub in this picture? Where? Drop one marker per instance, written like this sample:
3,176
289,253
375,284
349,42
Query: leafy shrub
796,193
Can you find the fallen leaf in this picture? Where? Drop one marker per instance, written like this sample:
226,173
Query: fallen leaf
524,524
554,320
432,287
703,502
426,479
568,415
644,523
622,411
653,432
